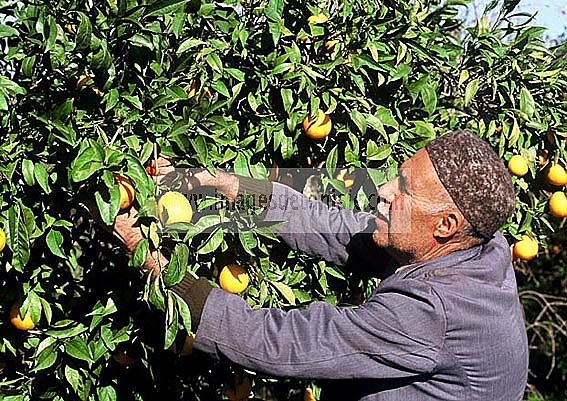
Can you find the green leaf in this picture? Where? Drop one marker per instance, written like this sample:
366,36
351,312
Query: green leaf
18,235
359,119
183,310
212,242
66,329
527,103
287,99
74,378
285,290
514,133
385,115
7,31
42,178
274,10
140,253
171,320
54,240
77,348
248,241
177,266
201,150
429,98
471,90
45,359
27,170
331,162
189,44
106,393
164,7
375,152
84,32
86,163
108,203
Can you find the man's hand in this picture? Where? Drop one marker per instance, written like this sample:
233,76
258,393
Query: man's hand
127,230
193,178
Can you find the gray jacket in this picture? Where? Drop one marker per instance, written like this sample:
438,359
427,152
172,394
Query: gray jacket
447,329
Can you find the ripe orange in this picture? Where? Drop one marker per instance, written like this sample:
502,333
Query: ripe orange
176,206
233,278
317,19
19,322
2,240
542,157
239,390
187,345
526,248
308,395
318,127
127,191
518,165
558,204
123,359
556,175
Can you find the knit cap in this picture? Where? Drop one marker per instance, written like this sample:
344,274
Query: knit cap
476,179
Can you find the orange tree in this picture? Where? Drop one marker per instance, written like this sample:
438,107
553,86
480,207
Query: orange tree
93,89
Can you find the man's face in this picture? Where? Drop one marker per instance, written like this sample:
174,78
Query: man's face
410,210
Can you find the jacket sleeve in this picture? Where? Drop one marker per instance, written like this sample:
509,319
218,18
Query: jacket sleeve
396,334
319,230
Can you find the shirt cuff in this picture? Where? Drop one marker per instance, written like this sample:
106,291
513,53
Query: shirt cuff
195,293
254,187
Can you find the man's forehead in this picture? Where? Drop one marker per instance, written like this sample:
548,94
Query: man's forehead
419,170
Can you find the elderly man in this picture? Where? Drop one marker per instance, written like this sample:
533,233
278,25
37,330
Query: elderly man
445,323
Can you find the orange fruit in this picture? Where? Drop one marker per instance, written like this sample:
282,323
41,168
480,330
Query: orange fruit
556,175
19,322
187,345
176,206
318,127
558,204
127,192
317,19
123,359
308,395
239,390
518,165
526,248
233,278
542,157
2,240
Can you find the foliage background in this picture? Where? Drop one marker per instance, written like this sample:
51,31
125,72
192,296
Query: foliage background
94,88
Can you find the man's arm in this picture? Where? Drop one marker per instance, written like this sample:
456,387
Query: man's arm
306,225
395,334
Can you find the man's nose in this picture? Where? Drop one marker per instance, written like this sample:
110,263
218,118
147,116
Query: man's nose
387,191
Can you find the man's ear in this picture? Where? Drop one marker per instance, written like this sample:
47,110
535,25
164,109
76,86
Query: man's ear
448,224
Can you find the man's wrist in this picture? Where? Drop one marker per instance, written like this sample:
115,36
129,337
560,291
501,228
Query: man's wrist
155,262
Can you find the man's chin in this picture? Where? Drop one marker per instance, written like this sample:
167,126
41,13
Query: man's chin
380,238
